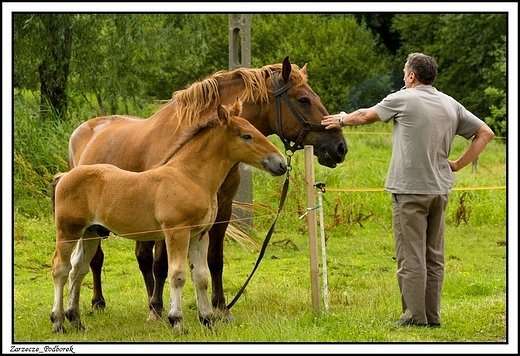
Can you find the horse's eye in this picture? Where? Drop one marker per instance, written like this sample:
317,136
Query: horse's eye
247,137
304,100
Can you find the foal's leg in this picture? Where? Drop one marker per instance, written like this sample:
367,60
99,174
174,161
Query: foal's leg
198,258
160,273
85,250
61,267
177,246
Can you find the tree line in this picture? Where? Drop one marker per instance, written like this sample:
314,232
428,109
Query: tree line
112,62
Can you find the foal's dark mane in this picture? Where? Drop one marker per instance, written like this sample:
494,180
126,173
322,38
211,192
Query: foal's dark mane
187,137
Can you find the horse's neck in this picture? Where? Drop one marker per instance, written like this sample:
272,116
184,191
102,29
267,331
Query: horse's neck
258,115
204,158
162,126
163,116
253,110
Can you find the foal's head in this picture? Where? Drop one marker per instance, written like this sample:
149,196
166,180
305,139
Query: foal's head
246,144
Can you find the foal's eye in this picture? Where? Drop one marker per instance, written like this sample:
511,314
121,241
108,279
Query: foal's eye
247,137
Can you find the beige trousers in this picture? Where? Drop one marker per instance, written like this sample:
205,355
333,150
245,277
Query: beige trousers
419,222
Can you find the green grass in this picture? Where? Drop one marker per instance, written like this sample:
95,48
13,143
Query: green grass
276,306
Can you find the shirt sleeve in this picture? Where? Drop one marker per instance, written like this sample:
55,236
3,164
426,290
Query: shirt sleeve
468,122
390,106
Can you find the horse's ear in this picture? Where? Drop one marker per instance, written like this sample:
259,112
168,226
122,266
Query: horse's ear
286,69
237,108
222,113
304,69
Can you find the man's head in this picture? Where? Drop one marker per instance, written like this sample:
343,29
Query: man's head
420,67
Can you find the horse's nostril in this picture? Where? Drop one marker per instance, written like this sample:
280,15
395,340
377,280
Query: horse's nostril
343,150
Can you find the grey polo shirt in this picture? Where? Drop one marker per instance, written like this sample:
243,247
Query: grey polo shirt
425,122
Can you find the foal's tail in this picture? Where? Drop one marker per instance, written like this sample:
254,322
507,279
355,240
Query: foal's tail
54,183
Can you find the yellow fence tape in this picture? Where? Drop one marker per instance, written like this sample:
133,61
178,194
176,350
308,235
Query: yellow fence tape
381,189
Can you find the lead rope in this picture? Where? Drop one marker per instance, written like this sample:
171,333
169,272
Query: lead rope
269,233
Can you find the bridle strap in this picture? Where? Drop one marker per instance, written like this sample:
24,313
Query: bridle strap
269,234
280,92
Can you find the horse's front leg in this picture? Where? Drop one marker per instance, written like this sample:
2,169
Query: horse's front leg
96,265
177,247
225,196
198,258
144,255
216,260
81,257
160,273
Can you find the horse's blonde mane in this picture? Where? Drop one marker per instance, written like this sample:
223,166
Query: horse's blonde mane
204,96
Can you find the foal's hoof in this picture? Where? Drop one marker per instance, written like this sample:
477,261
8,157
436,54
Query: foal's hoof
73,317
206,321
178,326
58,329
57,320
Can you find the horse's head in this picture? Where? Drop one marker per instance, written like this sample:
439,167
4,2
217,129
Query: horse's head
297,114
247,144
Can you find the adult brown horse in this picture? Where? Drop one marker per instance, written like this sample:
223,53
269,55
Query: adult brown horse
175,202
276,100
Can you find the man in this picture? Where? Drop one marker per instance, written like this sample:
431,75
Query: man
420,178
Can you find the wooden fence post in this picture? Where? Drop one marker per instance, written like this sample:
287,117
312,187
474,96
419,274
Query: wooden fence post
313,229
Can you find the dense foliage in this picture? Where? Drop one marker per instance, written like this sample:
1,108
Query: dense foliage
122,60
124,63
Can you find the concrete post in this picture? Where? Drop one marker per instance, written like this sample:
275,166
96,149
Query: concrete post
240,56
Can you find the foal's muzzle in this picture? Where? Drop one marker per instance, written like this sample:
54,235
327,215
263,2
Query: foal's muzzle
275,164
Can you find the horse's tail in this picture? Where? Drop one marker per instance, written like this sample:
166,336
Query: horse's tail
54,183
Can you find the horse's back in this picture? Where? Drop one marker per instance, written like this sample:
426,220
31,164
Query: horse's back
129,142
99,140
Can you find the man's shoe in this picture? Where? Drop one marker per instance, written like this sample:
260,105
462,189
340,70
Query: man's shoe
402,322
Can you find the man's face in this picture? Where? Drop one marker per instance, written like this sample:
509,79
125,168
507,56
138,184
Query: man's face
407,76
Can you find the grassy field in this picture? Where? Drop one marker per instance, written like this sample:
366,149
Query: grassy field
275,312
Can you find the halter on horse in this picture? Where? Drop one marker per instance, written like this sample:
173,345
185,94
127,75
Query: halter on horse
136,144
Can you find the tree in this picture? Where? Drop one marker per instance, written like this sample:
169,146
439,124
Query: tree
346,65
465,47
54,67
46,41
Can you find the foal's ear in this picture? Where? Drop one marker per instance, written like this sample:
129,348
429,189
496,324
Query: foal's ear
237,108
222,113
286,69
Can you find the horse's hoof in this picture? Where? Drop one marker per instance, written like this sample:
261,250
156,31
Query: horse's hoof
98,305
57,320
179,331
58,329
78,326
73,316
224,315
153,316
207,320
178,325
